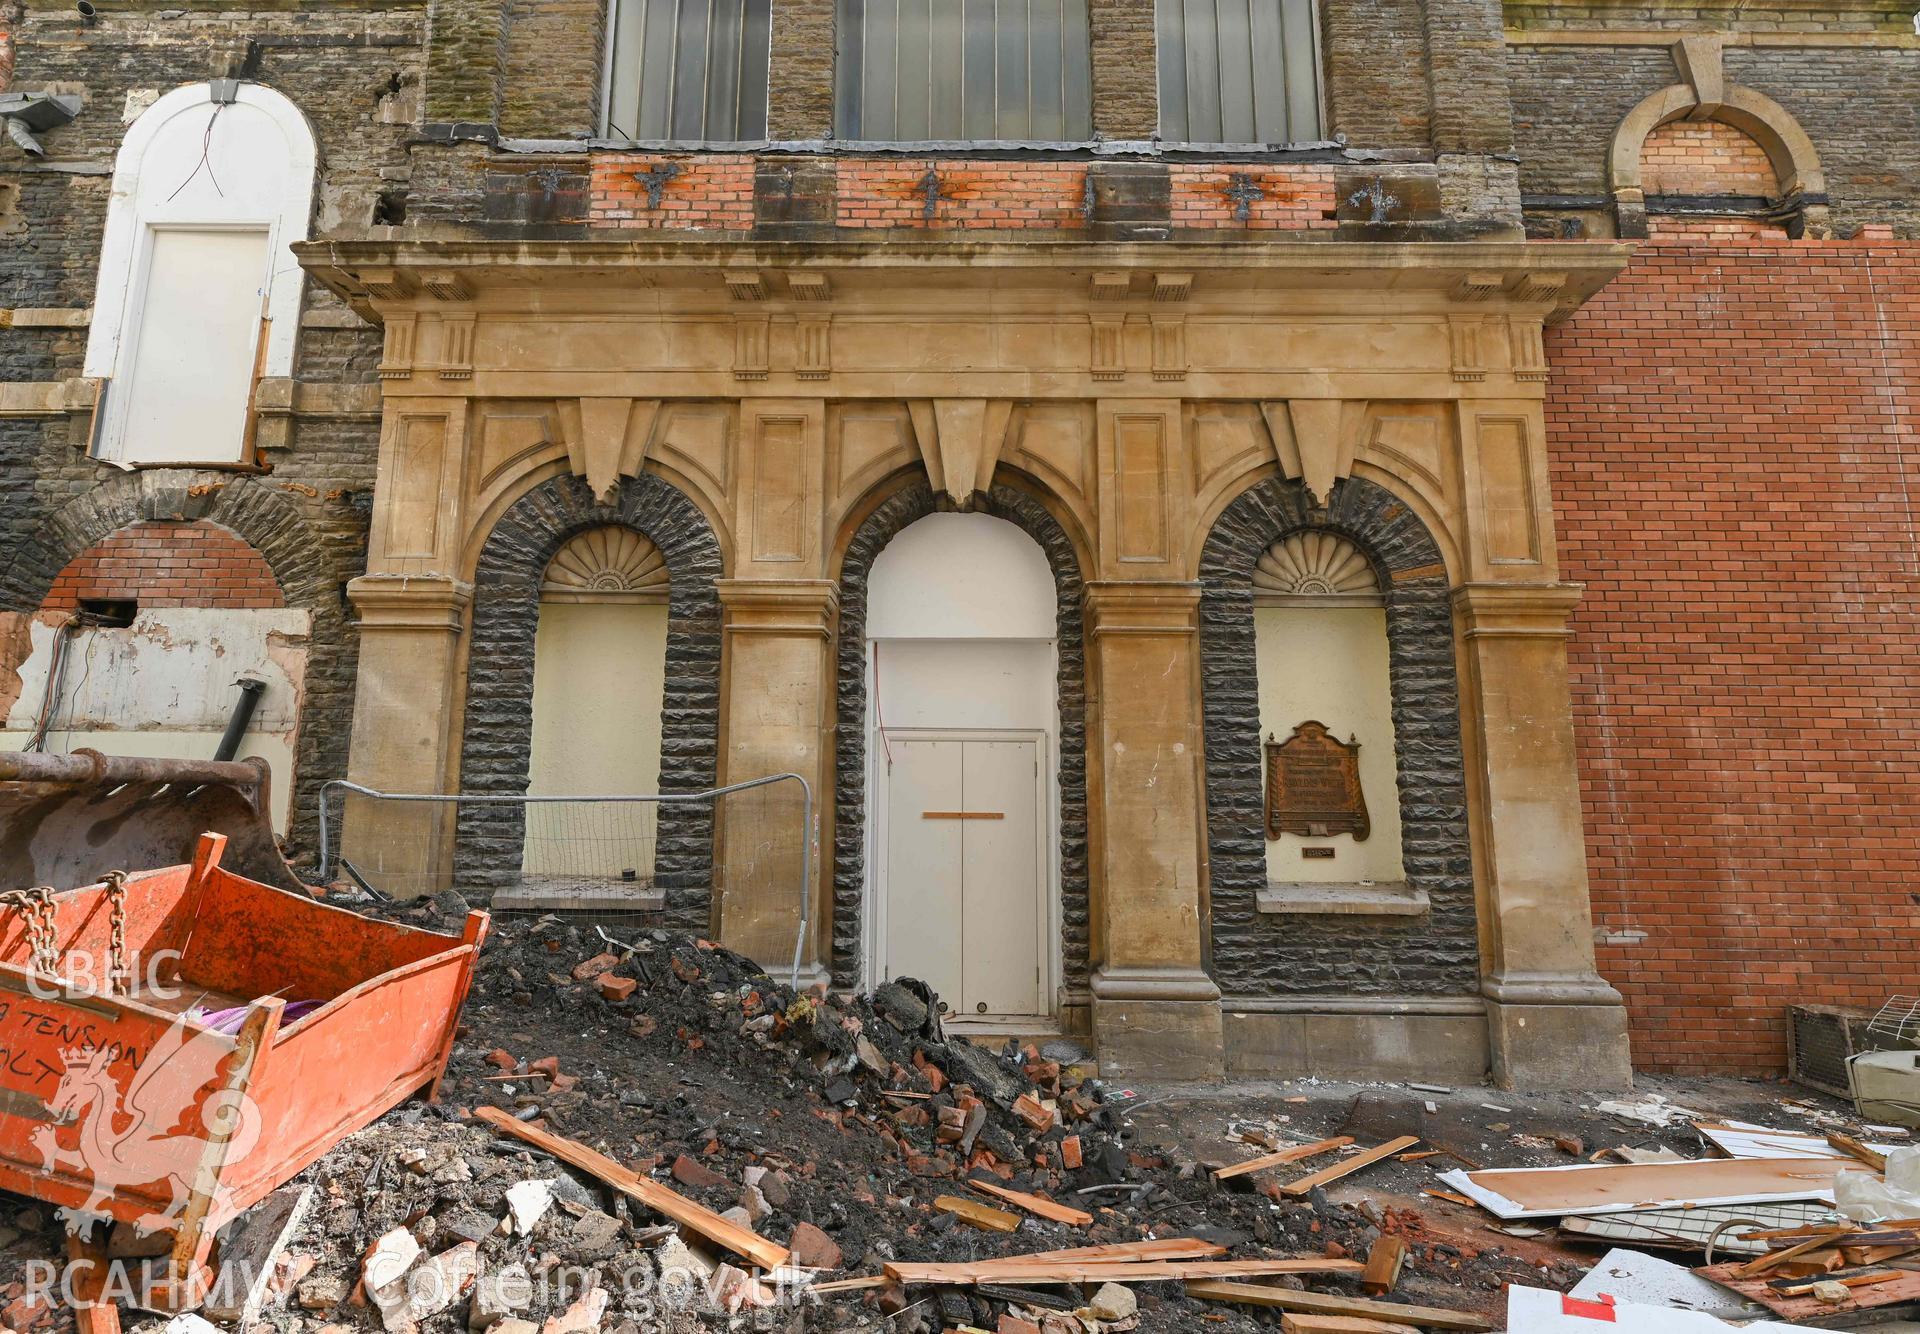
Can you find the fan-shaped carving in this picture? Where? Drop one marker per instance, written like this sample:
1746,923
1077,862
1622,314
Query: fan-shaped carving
607,563
1314,564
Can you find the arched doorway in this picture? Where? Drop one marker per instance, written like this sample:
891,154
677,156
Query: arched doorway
963,743
600,652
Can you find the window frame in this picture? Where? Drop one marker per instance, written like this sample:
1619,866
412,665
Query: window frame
610,72
1321,110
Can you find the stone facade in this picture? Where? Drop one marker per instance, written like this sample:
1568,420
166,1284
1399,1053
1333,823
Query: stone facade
1146,355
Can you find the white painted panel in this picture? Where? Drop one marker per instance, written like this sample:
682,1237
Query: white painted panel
925,916
958,576
989,683
1002,932
194,346
1329,664
599,674
163,688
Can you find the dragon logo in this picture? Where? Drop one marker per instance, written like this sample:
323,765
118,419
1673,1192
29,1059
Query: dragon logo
151,1128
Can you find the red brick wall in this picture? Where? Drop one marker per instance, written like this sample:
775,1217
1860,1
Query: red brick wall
1736,477
168,565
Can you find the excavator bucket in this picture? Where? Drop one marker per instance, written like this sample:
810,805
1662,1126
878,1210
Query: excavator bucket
67,820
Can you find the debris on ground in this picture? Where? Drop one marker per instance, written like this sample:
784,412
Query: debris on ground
657,1135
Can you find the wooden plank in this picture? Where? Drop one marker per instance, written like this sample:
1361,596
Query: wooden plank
1081,1271
1122,1252
662,1200
851,1284
1299,1322
1819,1241
1322,1303
1288,1155
1349,1165
1799,1287
984,1217
1038,1205
1384,1262
1852,1147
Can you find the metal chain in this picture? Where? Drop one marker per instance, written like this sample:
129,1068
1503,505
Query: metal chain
36,907
119,975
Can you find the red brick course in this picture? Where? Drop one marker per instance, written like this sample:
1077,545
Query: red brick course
168,565
715,193
995,195
1734,462
702,193
1291,198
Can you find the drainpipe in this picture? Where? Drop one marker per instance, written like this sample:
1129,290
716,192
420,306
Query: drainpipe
250,688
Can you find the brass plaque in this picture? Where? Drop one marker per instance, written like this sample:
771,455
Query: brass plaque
1313,785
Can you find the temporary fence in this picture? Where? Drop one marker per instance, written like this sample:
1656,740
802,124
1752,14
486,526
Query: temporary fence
587,855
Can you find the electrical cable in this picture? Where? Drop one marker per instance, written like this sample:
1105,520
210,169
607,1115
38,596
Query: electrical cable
206,160
56,674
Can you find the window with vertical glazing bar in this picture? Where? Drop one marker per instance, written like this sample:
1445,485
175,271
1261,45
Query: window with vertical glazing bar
688,69
1238,71
914,70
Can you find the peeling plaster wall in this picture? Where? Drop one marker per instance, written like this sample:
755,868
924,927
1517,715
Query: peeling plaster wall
164,686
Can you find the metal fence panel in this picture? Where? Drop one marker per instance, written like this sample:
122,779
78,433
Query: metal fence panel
913,70
1238,71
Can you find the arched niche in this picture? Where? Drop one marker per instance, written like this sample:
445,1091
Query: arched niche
196,290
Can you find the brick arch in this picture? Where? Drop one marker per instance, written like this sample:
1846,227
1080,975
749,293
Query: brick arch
271,524
193,564
497,751
915,501
1306,955
1796,163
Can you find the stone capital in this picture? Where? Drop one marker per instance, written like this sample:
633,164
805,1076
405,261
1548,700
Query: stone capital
1516,610
1142,607
779,606
410,602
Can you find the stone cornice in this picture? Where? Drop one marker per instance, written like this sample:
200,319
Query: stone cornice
380,274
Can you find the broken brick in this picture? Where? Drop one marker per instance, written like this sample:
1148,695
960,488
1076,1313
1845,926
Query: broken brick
588,969
1070,1152
616,988
813,1249
501,1059
690,1172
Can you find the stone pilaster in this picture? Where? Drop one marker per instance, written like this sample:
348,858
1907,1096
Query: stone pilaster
403,724
1552,1021
1155,1011
777,703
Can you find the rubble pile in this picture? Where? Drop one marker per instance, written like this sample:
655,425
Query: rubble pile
847,1130
650,1133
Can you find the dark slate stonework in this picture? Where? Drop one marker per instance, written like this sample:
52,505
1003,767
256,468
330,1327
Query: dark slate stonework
1294,955
916,501
273,525
498,744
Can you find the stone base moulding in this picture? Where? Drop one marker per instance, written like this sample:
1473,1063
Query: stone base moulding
1554,1033
1337,1037
1158,1023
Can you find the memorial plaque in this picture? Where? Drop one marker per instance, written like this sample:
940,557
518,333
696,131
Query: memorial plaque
1313,785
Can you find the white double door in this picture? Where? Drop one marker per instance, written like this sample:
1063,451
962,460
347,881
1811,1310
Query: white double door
963,905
